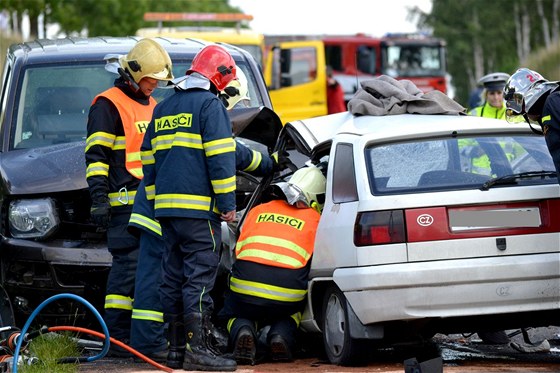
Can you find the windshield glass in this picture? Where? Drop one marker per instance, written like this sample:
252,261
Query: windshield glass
456,163
413,60
53,101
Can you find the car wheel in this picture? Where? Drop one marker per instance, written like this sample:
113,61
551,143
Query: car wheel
340,347
6,310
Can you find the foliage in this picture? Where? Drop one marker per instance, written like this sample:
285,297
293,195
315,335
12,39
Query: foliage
48,348
545,62
485,36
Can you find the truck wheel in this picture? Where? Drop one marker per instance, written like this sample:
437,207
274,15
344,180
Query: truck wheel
6,310
340,347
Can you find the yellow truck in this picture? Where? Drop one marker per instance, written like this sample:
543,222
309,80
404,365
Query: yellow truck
294,71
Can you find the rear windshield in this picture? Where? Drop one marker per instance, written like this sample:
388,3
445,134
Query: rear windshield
53,101
457,163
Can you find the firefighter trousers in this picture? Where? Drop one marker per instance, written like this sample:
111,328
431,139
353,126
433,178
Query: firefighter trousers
147,332
190,263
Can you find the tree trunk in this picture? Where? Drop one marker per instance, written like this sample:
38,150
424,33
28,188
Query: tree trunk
555,21
518,37
478,52
525,32
544,23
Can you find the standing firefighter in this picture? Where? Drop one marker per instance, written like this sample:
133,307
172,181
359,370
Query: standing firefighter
147,331
268,283
188,157
116,124
530,95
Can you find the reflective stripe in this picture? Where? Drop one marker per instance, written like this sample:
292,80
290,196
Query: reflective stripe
182,201
224,185
260,290
97,169
297,318
147,315
137,172
546,118
100,138
133,156
118,301
188,140
220,146
145,222
150,192
147,157
120,143
255,162
292,261
117,198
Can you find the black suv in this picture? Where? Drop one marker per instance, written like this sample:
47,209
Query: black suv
48,243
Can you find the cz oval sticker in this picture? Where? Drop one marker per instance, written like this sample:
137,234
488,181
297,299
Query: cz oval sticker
425,220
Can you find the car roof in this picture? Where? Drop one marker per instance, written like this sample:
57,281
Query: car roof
84,49
318,130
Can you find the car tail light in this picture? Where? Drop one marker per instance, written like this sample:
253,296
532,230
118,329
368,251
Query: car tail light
379,227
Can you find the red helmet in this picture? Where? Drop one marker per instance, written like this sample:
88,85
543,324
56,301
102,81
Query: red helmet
216,64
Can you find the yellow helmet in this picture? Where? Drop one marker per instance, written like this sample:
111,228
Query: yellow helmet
147,59
235,91
306,188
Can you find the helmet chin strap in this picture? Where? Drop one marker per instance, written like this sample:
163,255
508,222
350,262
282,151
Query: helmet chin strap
128,78
537,131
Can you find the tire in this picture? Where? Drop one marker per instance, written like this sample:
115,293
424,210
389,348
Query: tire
340,348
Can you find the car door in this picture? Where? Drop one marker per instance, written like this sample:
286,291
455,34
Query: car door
295,73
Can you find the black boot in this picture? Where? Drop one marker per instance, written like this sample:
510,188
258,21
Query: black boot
218,338
199,354
177,340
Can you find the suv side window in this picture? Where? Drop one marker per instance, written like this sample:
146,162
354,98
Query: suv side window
344,175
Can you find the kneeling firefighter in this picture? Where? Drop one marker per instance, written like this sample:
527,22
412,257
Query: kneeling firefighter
268,282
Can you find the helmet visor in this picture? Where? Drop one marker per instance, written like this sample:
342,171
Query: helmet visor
294,195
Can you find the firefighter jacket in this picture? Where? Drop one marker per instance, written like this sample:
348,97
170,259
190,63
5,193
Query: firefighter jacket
273,256
116,125
188,157
246,159
489,111
550,121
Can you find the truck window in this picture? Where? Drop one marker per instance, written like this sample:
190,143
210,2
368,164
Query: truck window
333,56
298,66
365,59
413,61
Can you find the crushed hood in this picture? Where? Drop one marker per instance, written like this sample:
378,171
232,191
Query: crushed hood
48,169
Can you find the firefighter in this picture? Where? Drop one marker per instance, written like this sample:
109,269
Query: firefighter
493,105
188,158
537,100
268,281
147,329
116,124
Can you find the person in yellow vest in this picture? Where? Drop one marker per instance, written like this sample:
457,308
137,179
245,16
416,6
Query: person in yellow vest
268,281
493,104
116,124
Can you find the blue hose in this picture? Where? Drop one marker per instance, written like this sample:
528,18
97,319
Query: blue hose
41,306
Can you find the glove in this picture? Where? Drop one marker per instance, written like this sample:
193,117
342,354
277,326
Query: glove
101,213
281,161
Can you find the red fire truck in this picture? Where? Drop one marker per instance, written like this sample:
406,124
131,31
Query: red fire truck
416,57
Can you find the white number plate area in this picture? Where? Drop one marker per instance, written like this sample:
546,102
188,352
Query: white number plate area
465,220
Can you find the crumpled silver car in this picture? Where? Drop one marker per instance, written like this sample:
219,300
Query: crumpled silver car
432,223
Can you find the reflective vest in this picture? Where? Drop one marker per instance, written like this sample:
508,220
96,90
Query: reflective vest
279,235
273,253
135,118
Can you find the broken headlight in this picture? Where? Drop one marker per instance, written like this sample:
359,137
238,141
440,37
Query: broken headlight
32,218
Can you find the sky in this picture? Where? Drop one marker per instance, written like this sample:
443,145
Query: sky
294,17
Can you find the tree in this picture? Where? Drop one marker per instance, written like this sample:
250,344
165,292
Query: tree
484,36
